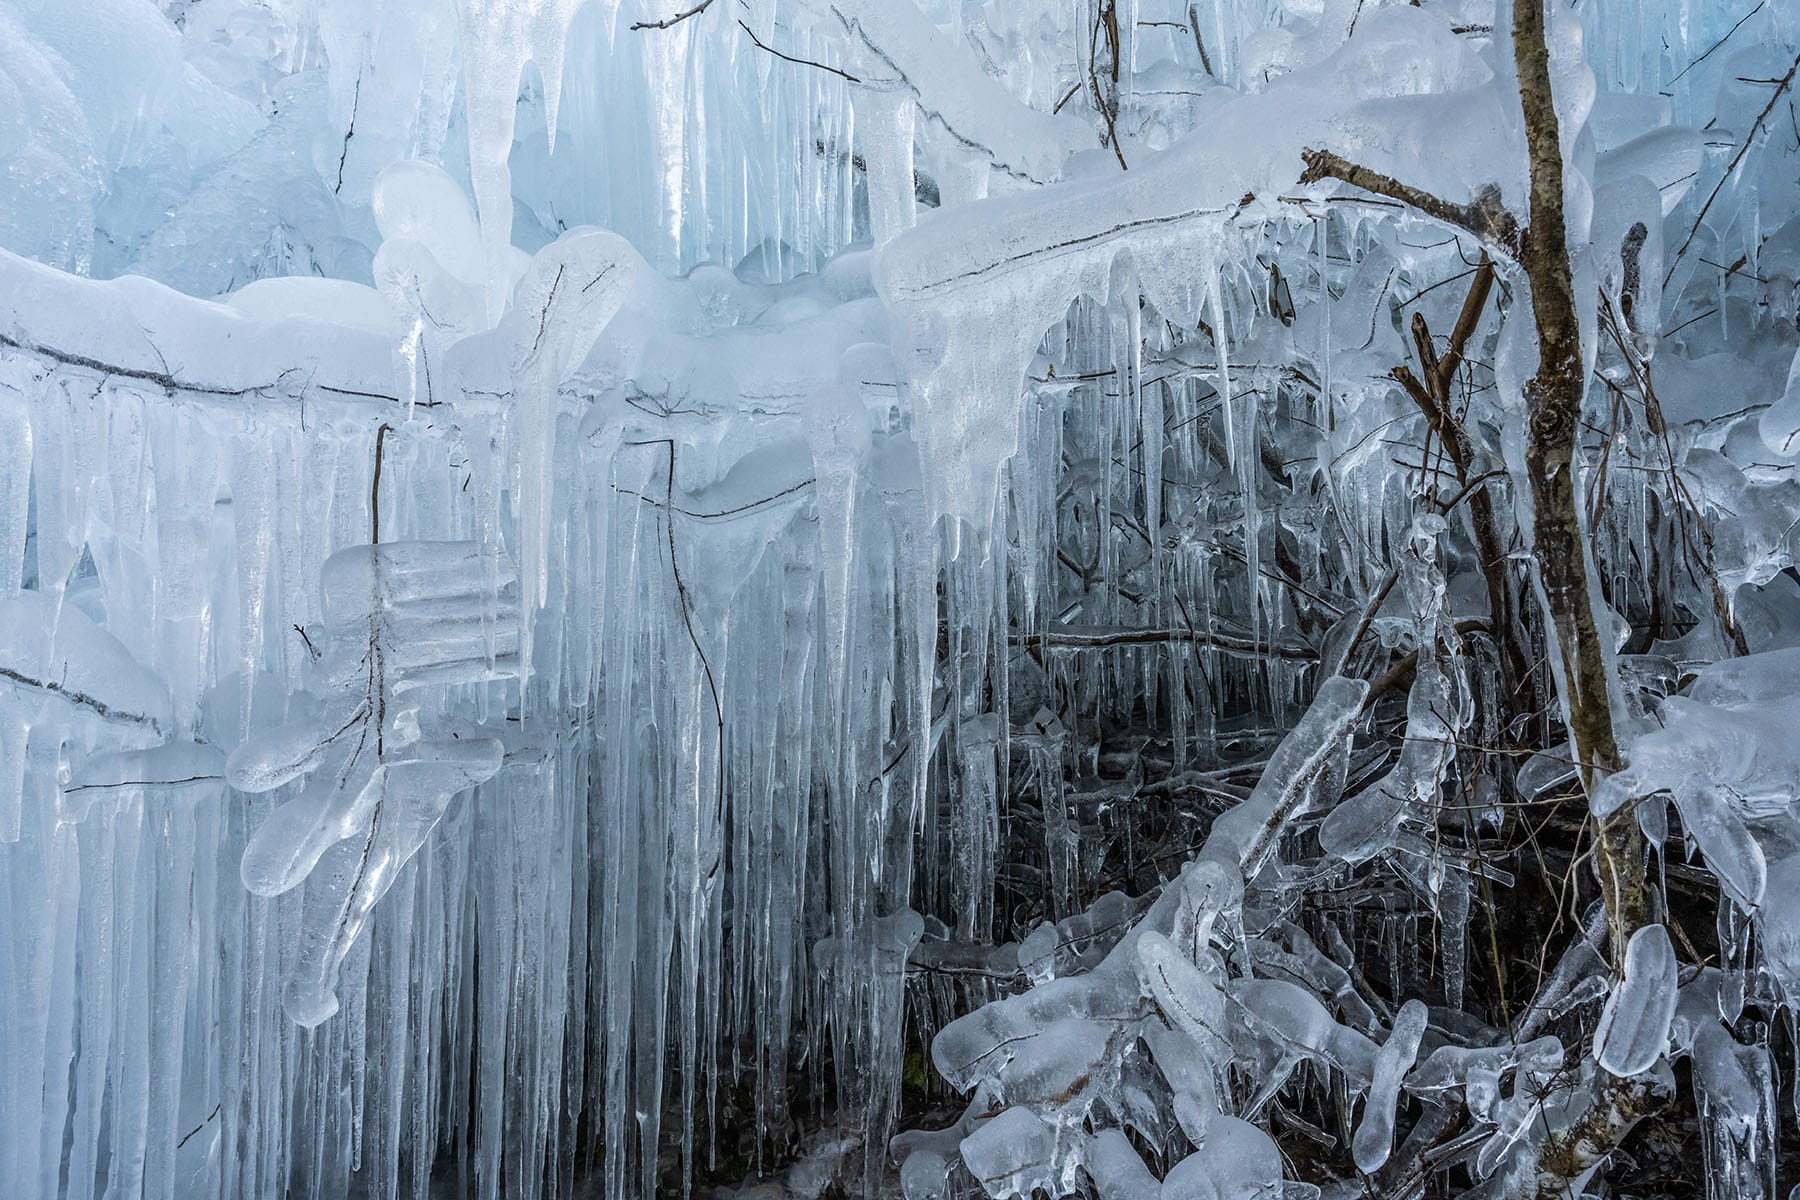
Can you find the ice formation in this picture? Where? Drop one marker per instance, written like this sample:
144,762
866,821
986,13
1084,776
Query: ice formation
932,596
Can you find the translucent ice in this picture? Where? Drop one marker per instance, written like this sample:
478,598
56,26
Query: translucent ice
1375,1132
1634,1026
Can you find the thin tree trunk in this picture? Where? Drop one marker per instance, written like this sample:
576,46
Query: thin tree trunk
1554,398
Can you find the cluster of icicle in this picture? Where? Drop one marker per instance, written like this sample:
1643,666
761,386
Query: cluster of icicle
1180,1022
491,709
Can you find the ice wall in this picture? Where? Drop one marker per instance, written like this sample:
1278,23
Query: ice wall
475,690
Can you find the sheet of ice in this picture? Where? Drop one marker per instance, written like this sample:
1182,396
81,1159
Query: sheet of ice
400,616
904,51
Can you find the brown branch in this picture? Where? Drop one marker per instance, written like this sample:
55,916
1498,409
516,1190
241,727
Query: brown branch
1485,217
677,19
1194,27
1432,396
375,485
1466,321
1107,16
1554,398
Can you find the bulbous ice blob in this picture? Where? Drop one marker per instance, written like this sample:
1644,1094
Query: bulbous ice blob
1633,1029
1189,1000
1237,1161
278,756
1014,1154
1374,1138
419,202
1116,1168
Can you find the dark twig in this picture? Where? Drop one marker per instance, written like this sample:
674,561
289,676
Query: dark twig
1432,396
1088,637
217,1109
1785,82
1717,44
166,381
802,62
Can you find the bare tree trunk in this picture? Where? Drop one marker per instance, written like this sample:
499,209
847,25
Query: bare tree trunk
1554,398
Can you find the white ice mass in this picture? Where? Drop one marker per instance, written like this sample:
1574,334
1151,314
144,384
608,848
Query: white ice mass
934,599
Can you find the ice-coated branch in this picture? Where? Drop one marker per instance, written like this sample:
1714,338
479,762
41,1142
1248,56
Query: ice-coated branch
1486,216
100,708
1084,636
1781,89
174,384
1570,1154
1247,834
401,616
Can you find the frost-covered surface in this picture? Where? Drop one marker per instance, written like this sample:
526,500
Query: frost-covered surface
601,598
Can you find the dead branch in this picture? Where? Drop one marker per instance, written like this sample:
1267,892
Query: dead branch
1432,396
1486,217
1781,89
100,707
173,383
1064,637
801,62
679,17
